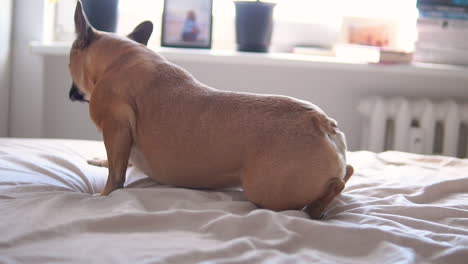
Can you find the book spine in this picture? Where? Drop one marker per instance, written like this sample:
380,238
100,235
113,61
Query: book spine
443,2
443,15
441,46
445,41
442,25
443,8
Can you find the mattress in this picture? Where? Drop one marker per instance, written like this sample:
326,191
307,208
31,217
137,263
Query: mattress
397,208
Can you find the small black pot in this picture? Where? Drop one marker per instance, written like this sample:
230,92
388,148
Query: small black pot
254,25
102,14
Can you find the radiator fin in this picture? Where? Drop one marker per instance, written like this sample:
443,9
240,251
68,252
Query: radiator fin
420,126
463,146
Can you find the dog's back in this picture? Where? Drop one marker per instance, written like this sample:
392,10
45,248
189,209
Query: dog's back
195,136
191,135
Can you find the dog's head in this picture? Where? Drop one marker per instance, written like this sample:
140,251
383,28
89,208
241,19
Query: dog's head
86,37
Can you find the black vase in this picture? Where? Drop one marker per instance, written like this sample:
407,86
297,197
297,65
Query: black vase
254,25
102,14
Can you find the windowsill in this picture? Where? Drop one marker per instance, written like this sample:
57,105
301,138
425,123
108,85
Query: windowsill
272,59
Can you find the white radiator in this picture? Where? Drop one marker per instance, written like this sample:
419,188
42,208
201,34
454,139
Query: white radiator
418,126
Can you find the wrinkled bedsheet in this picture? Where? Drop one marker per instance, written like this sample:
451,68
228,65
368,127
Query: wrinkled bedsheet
397,208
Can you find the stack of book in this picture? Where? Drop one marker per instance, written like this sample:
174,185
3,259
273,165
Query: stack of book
358,53
442,32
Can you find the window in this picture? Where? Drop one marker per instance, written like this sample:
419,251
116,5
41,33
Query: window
297,21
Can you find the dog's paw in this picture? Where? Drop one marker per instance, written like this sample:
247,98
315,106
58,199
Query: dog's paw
99,162
103,163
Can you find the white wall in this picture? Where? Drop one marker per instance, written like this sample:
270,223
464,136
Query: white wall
26,77
337,90
5,41
63,118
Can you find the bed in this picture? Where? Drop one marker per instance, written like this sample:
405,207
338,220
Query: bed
397,208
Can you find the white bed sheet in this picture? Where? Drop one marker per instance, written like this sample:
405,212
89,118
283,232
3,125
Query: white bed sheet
397,208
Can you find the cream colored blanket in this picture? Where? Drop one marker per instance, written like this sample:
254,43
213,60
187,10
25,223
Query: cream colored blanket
397,208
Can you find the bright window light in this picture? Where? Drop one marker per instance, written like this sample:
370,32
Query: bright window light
328,13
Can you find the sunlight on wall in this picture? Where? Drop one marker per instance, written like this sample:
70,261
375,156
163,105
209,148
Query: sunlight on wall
330,10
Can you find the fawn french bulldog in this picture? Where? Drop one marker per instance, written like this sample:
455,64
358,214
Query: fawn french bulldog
285,153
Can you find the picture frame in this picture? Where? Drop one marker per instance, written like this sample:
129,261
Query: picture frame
381,33
187,24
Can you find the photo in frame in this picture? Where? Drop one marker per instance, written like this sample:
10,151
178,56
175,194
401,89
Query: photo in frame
187,24
380,33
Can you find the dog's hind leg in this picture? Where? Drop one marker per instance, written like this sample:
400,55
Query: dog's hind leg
334,187
118,142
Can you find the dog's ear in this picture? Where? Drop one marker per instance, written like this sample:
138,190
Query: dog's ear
85,33
142,33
